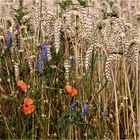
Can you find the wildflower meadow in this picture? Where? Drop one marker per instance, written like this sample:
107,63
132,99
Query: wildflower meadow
71,72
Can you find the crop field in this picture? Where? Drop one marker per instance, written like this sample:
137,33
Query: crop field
70,72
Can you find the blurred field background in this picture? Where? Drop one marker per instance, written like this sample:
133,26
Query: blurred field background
69,69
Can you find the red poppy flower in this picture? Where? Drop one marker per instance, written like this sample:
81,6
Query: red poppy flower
68,88
28,106
22,85
71,91
74,92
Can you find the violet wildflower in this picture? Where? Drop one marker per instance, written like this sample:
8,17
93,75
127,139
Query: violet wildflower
42,49
72,106
45,47
84,110
39,65
73,60
9,39
18,36
40,52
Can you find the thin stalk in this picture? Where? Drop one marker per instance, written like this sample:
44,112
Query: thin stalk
116,109
99,98
137,93
131,103
49,118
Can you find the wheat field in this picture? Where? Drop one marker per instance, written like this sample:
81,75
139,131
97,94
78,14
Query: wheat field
70,70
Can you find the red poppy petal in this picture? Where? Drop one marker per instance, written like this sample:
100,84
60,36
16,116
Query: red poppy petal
28,109
74,92
22,85
28,101
68,89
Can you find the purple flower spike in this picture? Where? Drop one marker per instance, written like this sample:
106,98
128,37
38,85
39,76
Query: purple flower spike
39,65
43,49
40,52
84,110
73,60
72,106
9,39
